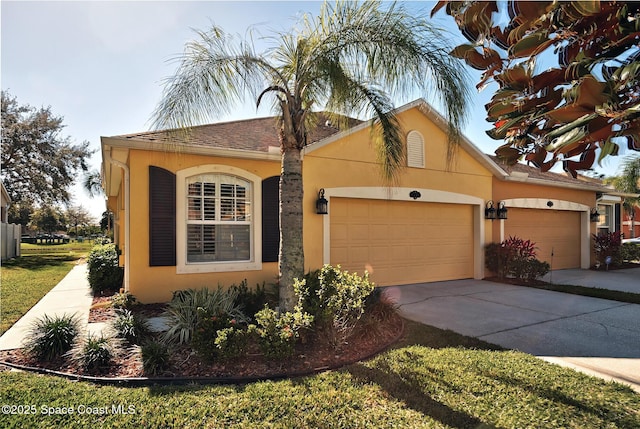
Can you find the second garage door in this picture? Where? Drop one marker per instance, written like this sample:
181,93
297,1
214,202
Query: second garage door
402,242
551,230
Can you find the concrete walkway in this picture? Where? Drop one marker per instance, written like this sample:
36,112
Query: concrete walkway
596,336
627,280
71,296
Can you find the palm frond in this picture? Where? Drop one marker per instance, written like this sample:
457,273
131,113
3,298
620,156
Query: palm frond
215,73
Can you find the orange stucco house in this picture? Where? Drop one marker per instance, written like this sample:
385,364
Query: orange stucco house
202,209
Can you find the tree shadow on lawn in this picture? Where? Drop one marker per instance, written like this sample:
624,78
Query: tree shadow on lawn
410,392
38,262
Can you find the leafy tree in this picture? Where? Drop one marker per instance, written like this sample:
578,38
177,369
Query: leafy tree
20,213
588,101
38,163
78,216
48,219
629,181
106,221
352,58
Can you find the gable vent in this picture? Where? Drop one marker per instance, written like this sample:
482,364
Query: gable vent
415,150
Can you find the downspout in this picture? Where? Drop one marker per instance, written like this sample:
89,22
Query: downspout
127,254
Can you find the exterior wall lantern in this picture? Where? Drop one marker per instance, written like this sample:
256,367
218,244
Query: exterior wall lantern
489,210
594,216
322,205
502,211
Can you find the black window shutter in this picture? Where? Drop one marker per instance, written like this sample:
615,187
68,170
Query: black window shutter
617,218
162,217
270,219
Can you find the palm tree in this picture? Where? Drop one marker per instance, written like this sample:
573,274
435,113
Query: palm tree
351,59
629,182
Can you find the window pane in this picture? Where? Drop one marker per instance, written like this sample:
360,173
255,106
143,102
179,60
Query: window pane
194,208
209,190
218,243
226,210
226,190
194,188
209,209
233,242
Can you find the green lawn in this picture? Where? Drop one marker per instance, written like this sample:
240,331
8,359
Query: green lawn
434,378
74,248
26,279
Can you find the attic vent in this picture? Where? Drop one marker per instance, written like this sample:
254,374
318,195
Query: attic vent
415,150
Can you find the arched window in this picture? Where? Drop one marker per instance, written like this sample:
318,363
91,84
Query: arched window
218,219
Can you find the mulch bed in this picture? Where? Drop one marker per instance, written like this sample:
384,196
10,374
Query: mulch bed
315,354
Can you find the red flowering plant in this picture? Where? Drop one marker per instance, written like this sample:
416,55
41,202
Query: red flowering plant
607,246
515,258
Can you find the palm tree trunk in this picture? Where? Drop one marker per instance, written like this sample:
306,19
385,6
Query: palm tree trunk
291,258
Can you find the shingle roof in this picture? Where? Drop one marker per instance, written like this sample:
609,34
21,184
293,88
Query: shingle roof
550,176
256,134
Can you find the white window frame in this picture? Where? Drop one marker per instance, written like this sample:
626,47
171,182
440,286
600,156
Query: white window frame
611,225
255,254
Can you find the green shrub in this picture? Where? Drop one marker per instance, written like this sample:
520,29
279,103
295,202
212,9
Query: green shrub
630,252
250,301
104,272
535,269
94,352
206,332
123,300
379,310
232,342
49,337
188,307
130,326
336,299
279,332
155,357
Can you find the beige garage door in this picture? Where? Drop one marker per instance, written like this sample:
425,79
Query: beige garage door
402,242
555,230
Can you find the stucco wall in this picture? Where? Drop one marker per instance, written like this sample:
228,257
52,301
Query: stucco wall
351,162
155,284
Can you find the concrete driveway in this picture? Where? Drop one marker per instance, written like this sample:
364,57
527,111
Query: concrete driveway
627,280
596,336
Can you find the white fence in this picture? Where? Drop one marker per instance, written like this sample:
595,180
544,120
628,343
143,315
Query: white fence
10,240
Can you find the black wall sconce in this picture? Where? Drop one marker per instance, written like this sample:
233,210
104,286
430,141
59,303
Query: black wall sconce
322,205
594,216
502,210
489,210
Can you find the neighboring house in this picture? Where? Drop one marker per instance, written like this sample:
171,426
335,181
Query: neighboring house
9,233
202,209
626,224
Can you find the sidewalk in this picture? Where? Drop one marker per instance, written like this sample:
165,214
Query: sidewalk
626,280
71,295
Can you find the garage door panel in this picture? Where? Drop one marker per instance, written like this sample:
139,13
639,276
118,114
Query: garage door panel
554,231
407,242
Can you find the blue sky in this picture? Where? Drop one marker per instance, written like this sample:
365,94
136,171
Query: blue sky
101,65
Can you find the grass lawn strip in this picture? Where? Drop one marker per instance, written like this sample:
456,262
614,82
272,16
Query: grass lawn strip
432,379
